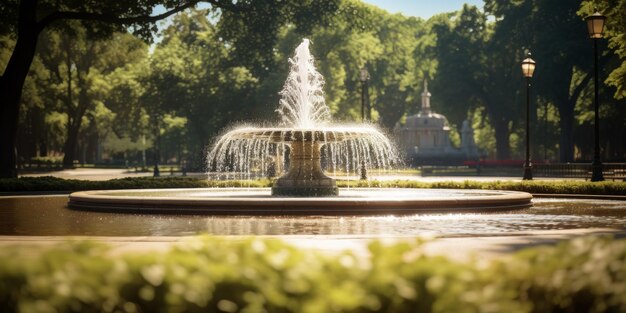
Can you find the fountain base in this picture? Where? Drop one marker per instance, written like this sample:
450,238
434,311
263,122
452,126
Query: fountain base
311,191
305,177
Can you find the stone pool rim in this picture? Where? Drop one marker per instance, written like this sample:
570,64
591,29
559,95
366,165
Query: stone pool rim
454,201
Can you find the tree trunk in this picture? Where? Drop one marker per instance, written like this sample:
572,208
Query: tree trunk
26,142
566,102
43,148
503,145
70,146
11,84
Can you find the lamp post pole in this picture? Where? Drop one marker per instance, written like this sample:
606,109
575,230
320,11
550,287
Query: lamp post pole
157,148
528,68
545,132
528,167
596,165
595,27
364,76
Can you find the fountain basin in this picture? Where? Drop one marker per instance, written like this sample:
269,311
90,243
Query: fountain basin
258,201
306,127
305,177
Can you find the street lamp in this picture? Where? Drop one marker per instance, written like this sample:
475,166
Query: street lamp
364,76
528,68
157,148
595,27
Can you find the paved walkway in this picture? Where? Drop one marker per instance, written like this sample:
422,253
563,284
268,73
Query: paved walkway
102,174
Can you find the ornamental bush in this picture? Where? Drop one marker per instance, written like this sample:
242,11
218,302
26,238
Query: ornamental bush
211,274
49,183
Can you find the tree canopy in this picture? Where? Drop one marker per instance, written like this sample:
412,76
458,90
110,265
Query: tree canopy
24,20
89,81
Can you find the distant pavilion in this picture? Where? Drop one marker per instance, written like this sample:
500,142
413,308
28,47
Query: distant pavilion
425,137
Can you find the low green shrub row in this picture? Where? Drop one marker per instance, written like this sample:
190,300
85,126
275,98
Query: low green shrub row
48,183
535,186
47,159
265,275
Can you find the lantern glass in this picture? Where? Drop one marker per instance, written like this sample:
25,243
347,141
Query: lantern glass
364,74
595,25
528,67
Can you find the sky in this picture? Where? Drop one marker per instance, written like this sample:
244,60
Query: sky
422,8
419,8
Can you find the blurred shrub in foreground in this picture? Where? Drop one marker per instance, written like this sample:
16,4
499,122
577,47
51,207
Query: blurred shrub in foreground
209,274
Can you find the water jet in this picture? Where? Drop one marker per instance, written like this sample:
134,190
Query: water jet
305,129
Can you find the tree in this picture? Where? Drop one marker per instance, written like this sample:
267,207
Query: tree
33,135
477,68
193,76
26,19
615,11
79,68
560,47
395,81
613,73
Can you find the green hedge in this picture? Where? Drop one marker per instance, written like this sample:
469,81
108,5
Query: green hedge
535,186
265,275
48,183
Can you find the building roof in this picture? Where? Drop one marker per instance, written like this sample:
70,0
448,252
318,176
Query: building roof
426,119
429,120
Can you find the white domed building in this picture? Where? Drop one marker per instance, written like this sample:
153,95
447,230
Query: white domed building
425,137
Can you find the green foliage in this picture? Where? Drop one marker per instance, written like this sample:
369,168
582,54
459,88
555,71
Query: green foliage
79,73
47,159
253,36
481,63
48,183
615,32
208,274
55,128
6,45
537,187
191,75
225,64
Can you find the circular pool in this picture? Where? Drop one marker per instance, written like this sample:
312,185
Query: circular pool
49,216
258,201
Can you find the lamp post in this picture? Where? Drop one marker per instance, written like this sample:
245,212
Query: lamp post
595,27
157,148
528,68
364,76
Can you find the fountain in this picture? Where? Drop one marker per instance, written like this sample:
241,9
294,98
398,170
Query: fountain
307,128
306,142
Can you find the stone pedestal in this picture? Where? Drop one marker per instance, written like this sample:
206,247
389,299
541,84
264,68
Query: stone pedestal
305,177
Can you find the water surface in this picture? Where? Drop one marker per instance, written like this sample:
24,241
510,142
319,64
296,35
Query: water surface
49,216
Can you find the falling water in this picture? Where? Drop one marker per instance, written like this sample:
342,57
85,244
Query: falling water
249,152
